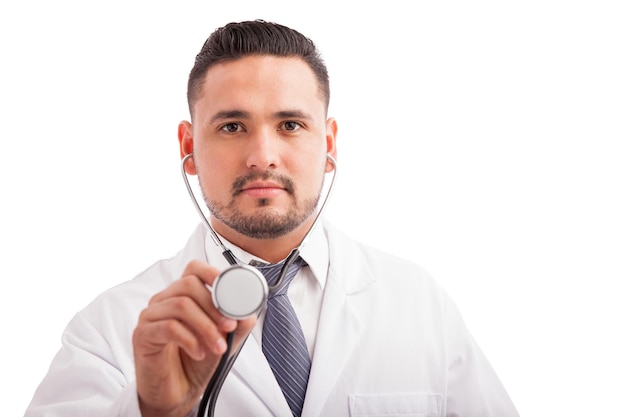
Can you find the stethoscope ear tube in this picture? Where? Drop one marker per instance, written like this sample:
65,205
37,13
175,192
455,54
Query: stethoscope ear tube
227,253
240,291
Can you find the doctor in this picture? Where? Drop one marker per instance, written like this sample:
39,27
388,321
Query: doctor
383,338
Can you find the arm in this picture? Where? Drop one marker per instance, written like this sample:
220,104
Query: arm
85,378
474,388
175,348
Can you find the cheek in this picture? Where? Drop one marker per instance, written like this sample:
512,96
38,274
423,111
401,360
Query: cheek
312,175
214,175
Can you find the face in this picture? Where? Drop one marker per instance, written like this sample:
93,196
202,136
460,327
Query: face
260,139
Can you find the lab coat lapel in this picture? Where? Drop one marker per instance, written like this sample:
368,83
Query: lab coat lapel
252,367
340,327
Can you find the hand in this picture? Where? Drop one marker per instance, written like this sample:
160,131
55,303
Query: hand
179,341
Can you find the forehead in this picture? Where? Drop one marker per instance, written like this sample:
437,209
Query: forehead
260,74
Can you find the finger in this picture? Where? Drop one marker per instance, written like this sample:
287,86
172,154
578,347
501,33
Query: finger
202,270
193,284
243,329
185,312
208,274
152,338
204,273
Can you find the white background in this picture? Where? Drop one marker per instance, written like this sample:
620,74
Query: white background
485,140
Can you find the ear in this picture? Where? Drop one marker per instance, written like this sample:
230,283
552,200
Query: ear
185,142
331,141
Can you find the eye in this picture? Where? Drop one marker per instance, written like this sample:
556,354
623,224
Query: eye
291,126
231,127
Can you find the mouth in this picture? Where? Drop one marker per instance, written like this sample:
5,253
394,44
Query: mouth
262,189
262,185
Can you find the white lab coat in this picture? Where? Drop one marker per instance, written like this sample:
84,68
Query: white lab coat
390,343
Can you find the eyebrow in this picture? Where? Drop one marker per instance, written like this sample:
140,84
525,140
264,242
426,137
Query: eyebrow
229,114
240,114
291,114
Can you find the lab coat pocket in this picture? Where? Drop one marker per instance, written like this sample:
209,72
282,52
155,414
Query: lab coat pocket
397,404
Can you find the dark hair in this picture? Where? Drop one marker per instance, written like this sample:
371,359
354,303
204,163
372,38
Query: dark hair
257,37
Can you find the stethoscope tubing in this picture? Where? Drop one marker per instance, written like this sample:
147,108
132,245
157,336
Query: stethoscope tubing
209,397
227,253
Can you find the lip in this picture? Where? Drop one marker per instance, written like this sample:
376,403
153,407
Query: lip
262,189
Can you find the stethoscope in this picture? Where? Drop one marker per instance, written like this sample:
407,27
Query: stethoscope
241,290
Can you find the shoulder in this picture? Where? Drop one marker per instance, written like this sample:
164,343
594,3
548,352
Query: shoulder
123,302
358,261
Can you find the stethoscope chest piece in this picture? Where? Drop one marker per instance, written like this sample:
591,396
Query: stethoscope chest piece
239,291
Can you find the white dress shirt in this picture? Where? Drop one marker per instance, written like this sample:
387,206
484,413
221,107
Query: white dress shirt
305,291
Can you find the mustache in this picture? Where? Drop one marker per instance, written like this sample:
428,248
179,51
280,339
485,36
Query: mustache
284,181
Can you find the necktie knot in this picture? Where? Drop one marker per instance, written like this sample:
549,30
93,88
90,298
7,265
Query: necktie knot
272,274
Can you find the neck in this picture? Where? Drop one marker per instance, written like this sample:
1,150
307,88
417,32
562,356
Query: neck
271,250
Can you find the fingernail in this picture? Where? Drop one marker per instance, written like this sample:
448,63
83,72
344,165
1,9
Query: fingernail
228,324
221,345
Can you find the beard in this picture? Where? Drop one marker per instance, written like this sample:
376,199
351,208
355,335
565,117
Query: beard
265,224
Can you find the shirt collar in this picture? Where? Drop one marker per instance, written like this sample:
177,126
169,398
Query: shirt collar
314,251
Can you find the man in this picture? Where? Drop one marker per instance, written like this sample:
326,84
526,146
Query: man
380,336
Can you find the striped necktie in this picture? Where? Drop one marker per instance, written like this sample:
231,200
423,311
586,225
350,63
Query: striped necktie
283,341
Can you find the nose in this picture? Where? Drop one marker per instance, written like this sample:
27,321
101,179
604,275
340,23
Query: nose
263,150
